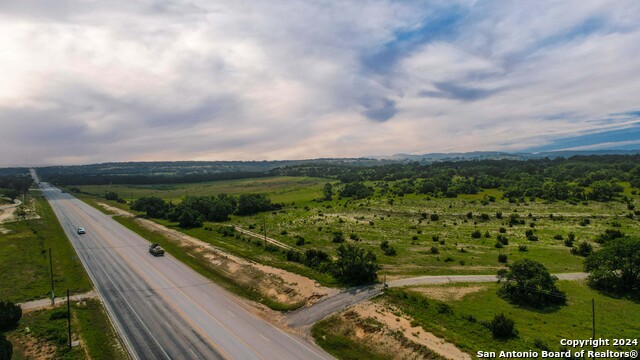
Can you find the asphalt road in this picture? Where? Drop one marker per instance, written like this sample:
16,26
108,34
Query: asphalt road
347,298
161,308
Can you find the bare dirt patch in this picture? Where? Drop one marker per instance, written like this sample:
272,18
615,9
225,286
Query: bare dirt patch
32,348
447,293
395,323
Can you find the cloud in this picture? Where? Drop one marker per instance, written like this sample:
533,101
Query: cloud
177,79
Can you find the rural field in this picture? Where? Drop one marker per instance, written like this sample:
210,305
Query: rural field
424,244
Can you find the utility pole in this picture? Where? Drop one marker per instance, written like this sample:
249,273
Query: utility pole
264,228
69,316
593,317
51,278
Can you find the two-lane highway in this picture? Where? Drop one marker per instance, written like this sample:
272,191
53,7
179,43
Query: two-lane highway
161,308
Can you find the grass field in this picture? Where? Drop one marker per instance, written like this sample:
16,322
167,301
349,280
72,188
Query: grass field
40,333
280,189
538,329
24,259
406,222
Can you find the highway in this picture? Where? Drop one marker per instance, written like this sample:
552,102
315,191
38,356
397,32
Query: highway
161,308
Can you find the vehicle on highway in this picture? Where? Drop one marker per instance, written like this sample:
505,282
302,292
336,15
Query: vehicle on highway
156,250
81,231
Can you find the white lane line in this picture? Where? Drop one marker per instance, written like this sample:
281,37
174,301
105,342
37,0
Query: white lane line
264,337
232,314
194,354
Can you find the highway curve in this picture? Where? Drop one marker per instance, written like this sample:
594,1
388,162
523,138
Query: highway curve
161,308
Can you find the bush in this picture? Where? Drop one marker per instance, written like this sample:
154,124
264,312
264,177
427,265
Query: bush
434,250
300,241
529,283
338,237
10,314
502,327
502,258
608,235
523,248
499,245
6,349
476,234
568,243
583,249
434,217
111,195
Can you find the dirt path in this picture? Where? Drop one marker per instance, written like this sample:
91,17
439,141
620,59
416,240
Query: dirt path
262,237
46,303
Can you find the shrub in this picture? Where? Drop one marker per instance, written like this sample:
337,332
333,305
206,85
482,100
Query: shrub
608,235
476,234
338,237
583,249
503,239
523,248
434,217
502,258
558,237
300,241
443,308
10,314
498,215
498,245
435,238
568,243
502,327
434,250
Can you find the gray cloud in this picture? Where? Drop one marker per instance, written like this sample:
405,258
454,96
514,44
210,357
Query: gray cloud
191,79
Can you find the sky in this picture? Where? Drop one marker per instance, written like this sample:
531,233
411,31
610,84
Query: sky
87,81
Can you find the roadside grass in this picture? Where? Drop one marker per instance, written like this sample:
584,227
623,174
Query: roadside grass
24,258
196,260
460,322
41,330
406,223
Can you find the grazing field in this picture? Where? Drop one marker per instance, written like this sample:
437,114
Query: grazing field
460,320
429,235
24,257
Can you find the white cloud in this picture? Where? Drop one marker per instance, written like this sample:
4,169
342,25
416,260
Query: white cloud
96,81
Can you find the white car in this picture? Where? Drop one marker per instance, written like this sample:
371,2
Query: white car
81,231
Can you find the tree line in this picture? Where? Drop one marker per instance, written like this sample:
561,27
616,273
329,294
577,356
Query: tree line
192,211
12,186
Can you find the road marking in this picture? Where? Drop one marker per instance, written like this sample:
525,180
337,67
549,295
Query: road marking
232,314
194,354
264,337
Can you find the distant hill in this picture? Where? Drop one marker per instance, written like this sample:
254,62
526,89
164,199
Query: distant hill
497,155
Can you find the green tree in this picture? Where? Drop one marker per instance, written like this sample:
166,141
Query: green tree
190,218
154,206
6,349
602,190
249,204
355,266
616,267
328,192
529,283
10,314
111,195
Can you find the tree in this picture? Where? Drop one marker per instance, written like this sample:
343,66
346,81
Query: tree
10,314
111,195
529,283
154,206
356,190
190,218
249,204
602,190
6,349
328,192
12,194
355,266
616,267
